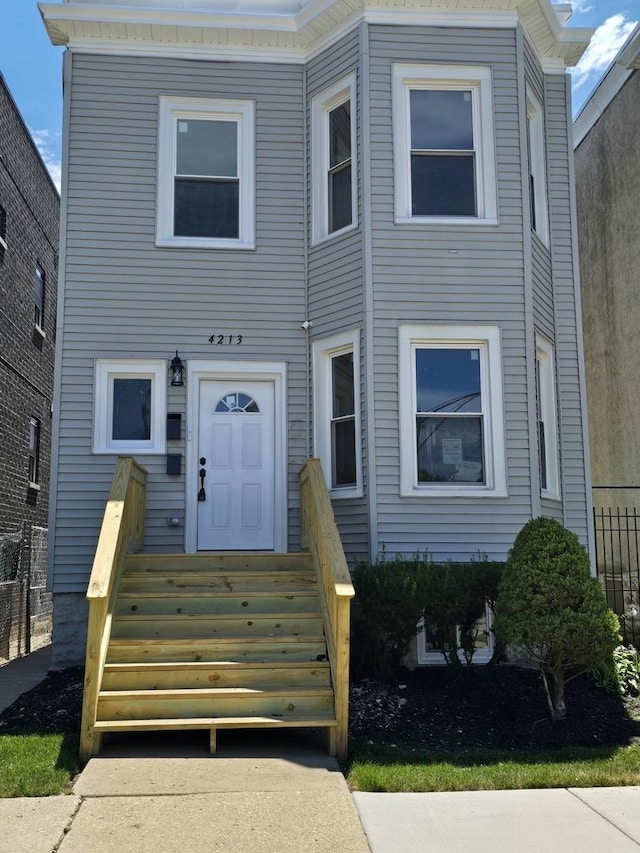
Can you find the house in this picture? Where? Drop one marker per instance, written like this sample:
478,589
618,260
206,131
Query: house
607,151
296,229
29,216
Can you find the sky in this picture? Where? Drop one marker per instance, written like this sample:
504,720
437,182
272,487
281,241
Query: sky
32,67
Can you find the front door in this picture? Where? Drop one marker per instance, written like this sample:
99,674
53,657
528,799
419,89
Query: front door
236,448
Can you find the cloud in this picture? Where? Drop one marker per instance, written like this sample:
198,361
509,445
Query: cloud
581,6
48,144
605,43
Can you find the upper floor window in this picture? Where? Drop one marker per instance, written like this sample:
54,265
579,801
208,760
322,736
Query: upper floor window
547,419
129,406
206,173
451,418
337,412
444,152
34,451
536,167
334,173
38,311
3,231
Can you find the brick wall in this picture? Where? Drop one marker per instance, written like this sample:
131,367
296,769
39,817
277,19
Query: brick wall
32,208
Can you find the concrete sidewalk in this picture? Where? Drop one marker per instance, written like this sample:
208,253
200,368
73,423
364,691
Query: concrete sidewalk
278,792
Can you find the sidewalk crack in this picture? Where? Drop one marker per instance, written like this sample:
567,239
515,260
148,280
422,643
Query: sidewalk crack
603,816
66,829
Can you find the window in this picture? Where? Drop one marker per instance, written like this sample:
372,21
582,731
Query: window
547,419
3,232
334,172
130,406
476,641
34,451
336,419
451,417
443,144
206,173
536,168
38,312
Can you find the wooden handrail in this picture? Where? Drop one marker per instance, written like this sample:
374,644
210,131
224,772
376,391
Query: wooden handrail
122,531
320,535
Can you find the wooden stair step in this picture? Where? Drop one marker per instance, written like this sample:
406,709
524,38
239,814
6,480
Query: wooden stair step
218,702
155,602
207,626
266,563
149,725
174,675
231,649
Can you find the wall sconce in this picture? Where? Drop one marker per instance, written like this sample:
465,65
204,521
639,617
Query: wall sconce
177,370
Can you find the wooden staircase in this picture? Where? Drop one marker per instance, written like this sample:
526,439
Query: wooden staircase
216,641
212,641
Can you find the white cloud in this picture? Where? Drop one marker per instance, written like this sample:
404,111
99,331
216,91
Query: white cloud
605,43
48,144
581,6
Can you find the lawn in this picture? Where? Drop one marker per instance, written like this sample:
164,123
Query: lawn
37,764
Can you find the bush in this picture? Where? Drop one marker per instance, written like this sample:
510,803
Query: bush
395,594
621,672
551,608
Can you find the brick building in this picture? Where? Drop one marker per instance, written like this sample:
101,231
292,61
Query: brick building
29,223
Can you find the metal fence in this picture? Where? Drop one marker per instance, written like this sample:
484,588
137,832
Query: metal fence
617,532
25,605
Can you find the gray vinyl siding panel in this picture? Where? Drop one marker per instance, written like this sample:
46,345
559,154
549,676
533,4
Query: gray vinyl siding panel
335,275
568,336
127,298
453,275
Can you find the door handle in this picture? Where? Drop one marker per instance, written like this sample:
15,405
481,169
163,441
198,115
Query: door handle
202,495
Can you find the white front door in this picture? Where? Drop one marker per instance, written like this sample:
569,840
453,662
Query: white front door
236,465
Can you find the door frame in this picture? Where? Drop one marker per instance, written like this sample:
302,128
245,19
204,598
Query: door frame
200,370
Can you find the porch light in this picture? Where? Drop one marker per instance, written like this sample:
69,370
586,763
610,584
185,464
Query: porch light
177,370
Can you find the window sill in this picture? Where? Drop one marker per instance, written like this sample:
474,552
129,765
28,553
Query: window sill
39,332
550,496
325,238
203,243
128,450
34,487
444,220
453,492
343,494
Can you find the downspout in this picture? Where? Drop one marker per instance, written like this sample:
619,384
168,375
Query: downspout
305,257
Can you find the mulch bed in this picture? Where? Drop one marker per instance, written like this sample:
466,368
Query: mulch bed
500,707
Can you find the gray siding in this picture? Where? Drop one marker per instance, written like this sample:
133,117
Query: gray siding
457,275
126,298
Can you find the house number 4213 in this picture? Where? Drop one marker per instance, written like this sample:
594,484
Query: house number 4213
225,339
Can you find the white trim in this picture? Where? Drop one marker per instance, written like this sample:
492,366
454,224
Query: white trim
481,656
477,78
537,153
202,370
171,110
108,369
545,356
488,340
321,106
323,351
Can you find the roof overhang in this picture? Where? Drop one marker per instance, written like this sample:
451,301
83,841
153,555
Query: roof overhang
291,30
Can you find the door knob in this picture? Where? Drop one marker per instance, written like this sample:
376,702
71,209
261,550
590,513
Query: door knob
202,495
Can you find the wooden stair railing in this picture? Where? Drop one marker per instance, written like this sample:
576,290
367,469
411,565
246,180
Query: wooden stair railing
321,537
122,531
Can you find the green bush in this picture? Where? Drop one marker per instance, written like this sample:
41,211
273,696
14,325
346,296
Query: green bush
395,594
621,672
551,608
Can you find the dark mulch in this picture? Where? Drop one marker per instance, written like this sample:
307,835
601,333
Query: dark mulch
500,707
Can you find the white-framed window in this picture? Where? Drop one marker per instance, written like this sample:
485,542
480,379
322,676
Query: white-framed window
451,411
38,299
547,418
434,649
333,144
443,144
536,160
336,412
130,406
206,173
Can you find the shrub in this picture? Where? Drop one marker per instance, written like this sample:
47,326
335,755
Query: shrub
550,607
621,672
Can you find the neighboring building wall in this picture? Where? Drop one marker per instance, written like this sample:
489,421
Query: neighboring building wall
608,194
31,204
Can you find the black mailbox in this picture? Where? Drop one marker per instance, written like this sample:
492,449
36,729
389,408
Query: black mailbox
174,421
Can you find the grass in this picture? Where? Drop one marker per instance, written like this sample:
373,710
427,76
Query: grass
381,768
34,764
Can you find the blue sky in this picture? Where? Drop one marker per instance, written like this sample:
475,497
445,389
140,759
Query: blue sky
32,67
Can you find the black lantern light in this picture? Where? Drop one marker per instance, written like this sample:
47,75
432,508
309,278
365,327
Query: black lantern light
177,370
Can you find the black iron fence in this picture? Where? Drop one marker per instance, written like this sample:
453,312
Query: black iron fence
617,539
25,604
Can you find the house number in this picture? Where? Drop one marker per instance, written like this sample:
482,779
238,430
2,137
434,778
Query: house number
225,339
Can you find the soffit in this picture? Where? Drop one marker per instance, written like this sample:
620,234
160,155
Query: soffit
295,26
